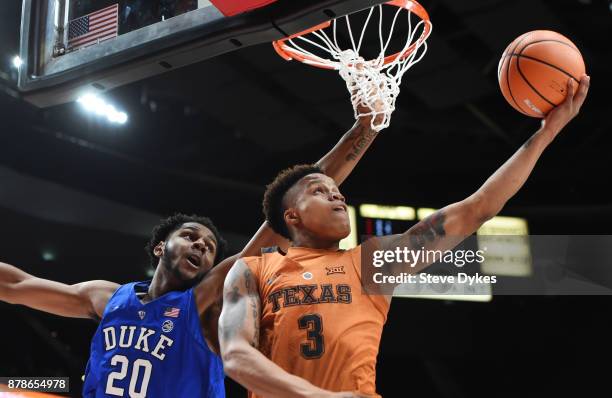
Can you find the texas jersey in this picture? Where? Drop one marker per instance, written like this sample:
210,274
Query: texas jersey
315,321
152,350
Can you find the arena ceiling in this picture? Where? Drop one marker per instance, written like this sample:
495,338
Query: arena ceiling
208,137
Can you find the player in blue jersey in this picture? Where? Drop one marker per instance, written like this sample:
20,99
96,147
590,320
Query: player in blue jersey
159,338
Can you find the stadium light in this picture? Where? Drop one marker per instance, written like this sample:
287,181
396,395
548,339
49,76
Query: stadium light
48,255
387,212
17,62
98,106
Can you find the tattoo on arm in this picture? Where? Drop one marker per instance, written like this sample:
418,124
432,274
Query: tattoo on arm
234,295
362,137
428,230
255,314
232,323
528,142
241,297
254,305
247,280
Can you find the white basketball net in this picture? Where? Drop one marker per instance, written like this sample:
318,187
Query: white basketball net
374,85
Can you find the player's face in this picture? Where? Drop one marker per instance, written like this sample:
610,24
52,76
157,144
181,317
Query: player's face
320,208
189,252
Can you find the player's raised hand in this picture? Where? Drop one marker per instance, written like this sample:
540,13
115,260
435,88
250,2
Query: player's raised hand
378,108
560,116
367,111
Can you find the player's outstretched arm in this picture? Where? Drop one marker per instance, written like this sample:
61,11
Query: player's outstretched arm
83,300
239,338
511,176
449,226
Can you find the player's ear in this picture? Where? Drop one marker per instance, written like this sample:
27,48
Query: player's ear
291,217
159,249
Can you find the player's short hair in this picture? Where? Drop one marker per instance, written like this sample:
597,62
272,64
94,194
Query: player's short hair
173,223
273,207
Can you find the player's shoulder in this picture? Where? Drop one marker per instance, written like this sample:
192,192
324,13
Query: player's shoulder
99,285
99,293
268,255
269,259
107,286
353,252
97,289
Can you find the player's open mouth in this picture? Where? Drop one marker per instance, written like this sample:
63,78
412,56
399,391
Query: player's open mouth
340,208
194,261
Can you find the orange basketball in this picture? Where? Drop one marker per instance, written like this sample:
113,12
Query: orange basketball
534,69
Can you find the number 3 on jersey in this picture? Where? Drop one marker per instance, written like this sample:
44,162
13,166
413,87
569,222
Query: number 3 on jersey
123,370
314,326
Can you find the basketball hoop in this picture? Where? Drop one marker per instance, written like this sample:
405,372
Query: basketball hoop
373,83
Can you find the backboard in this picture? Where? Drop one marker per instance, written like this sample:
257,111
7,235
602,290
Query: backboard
70,47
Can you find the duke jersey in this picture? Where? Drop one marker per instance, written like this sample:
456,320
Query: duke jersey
315,321
152,350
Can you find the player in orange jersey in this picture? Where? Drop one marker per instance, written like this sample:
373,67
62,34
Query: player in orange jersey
298,325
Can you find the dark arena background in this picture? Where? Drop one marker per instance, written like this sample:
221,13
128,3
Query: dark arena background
79,194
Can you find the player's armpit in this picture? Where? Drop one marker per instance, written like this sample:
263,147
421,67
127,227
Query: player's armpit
210,327
97,293
82,300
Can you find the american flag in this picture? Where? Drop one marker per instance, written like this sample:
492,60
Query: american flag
93,28
172,312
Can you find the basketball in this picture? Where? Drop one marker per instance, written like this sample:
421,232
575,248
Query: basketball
534,69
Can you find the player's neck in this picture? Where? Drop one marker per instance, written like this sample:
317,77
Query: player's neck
161,284
314,243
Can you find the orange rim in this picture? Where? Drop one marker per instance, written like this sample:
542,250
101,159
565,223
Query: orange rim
289,53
